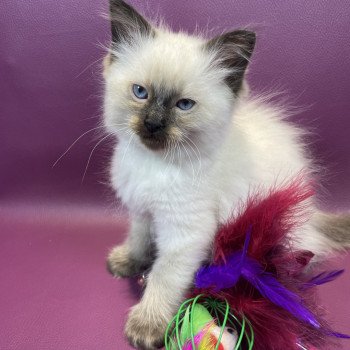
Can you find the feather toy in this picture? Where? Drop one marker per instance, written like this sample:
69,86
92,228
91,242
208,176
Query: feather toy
262,280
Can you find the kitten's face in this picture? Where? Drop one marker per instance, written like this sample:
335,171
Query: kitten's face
166,88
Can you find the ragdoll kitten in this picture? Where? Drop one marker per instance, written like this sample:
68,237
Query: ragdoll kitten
192,145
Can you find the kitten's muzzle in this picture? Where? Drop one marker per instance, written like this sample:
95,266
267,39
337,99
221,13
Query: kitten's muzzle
153,131
154,125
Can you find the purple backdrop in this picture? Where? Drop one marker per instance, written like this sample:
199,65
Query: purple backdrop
55,230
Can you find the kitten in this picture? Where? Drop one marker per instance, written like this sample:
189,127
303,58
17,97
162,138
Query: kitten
192,145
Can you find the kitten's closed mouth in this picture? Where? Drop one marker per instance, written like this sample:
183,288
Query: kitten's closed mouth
151,135
154,142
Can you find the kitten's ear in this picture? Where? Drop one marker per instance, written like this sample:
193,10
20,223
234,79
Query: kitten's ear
126,22
233,51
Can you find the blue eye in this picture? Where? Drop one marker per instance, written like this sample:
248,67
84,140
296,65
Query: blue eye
185,104
140,92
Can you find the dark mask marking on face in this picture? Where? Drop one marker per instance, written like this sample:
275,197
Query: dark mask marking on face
157,116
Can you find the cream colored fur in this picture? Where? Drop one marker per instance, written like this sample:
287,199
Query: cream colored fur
178,197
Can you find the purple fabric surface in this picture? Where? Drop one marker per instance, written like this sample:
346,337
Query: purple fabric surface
55,292
55,231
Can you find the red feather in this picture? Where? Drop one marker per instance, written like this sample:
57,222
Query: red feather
272,218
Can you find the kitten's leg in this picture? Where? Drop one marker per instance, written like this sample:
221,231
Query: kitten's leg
135,254
181,250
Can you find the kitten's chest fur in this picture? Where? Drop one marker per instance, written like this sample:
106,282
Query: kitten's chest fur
147,183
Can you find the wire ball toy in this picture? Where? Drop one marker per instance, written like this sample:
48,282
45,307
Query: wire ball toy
206,323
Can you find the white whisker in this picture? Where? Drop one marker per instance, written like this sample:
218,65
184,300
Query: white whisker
72,145
86,68
91,153
189,158
179,153
170,153
127,147
167,149
198,156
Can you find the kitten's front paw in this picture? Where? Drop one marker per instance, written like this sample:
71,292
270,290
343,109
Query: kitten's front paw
144,332
120,264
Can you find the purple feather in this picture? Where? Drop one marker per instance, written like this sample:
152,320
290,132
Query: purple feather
220,277
271,289
337,335
322,278
226,275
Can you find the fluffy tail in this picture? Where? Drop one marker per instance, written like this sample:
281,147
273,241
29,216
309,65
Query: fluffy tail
335,228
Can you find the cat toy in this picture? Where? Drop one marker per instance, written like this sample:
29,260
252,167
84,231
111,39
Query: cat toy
257,293
200,330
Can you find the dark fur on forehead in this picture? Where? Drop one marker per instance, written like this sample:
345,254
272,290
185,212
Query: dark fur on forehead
161,103
166,96
233,51
126,21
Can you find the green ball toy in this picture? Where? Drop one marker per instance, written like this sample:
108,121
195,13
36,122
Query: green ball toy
204,323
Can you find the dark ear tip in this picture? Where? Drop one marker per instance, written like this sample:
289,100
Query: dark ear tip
117,2
247,38
125,21
248,35
251,35
119,5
